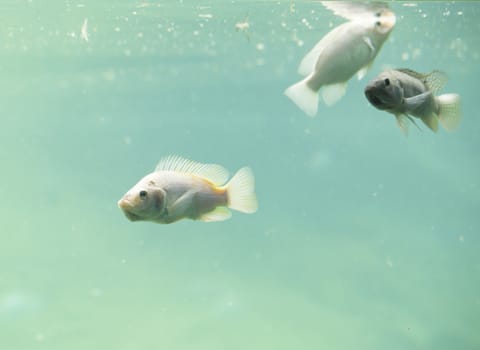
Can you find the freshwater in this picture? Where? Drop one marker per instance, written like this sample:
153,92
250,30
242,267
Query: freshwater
364,238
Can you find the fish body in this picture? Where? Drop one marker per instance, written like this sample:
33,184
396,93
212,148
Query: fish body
183,189
406,94
347,50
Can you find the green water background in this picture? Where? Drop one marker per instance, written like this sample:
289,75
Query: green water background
364,239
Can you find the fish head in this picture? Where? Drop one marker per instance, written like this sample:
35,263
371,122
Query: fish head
143,203
384,20
384,92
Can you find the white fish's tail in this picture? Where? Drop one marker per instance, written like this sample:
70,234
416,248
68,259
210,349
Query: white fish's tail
449,113
304,97
241,191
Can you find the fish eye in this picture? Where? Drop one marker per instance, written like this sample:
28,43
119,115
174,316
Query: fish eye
378,23
378,14
143,194
387,82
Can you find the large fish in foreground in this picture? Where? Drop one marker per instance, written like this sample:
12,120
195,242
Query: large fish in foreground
347,50
184,189
406,93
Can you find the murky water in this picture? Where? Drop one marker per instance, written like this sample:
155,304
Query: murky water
365,239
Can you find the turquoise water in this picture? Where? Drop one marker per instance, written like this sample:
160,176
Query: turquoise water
365,239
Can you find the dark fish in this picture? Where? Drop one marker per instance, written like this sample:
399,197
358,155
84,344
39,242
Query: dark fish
406,94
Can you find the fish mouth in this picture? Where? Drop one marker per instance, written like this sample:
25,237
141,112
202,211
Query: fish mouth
372,97
389,19
125,205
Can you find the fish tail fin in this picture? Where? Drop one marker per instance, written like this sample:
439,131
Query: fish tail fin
304,97
449,114
241,191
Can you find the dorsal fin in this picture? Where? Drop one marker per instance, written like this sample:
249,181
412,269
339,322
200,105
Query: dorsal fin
212,172
434,80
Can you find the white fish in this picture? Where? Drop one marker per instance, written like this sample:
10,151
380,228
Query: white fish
181,188
347,50
406,94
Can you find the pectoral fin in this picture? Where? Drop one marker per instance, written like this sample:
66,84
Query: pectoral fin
369,43
181,208
415,102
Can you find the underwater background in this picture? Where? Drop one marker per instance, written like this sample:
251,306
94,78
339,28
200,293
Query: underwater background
364,238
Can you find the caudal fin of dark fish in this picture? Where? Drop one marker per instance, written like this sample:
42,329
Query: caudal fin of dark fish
449,113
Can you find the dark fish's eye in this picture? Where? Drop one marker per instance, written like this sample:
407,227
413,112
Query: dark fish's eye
378,23
143,194
378,14
387,82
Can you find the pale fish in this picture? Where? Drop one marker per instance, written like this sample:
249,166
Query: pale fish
347,50
406,94
183,189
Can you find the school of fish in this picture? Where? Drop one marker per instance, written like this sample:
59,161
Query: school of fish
184,189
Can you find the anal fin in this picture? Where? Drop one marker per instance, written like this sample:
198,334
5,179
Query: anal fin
431,121
331,94
218,214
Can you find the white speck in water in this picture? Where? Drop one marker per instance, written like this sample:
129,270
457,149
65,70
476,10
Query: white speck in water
109,75
320,159
124,261
242,25
140,35
405,56
95,292
306,23
84,30
205,15
416,53
39,337
196,32
127,140
260,47
389,262
127,52
117,29
460,13
461,238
